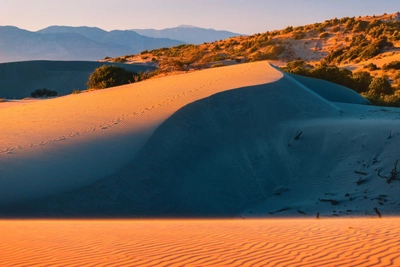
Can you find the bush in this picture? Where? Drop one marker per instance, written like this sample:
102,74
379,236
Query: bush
218,65
382,100
362,80
298,35
391,65
295,64
287,30
324,35
380,85
119,60
371,67
43,93
108,76
335,28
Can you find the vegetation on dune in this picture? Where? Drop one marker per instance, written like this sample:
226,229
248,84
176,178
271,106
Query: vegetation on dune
376,89
354,39
333,42
360,48
43,92
193,57
108,76
371,67
395,65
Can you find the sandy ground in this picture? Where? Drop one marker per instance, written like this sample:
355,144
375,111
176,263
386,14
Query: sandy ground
311,242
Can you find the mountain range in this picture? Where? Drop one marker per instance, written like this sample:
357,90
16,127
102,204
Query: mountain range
72,43
188,34
91,43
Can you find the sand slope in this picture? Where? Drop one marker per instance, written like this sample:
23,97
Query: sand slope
367,242
189,145
58,144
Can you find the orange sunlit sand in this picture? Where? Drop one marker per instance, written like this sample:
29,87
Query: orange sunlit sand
310,242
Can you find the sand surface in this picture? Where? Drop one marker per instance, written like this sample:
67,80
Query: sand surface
242,140
311,242
58,144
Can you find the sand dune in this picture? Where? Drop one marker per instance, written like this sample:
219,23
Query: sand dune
245,139
58,144
339,242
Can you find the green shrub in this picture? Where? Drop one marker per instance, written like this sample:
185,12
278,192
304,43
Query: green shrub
362,80
44,92
371,67
358,81
76,91
395,65
335,28
324,35
108,76
298,35
380,85
287,30
218,65
296,64
119,60
382,100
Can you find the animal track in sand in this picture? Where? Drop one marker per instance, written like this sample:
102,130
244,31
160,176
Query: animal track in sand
113,122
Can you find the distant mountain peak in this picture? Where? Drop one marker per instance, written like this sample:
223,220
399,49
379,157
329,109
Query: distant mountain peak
188,33
187,26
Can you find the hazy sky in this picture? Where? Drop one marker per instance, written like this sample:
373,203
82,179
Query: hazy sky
241,16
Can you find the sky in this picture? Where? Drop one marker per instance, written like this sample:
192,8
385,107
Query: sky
240,16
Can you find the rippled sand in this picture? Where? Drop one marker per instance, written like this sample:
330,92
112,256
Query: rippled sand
337,242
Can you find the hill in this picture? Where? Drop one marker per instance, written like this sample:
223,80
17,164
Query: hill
188,34
336,41
72,43
348,43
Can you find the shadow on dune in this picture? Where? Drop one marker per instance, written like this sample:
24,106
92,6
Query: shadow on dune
222,155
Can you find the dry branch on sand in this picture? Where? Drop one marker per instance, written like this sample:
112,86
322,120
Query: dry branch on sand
393,174
332,201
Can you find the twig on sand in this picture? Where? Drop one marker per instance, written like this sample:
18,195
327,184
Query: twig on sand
298,136
361,181
377,212
393,174
280,210
362,173
332,201
317,216
301,212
